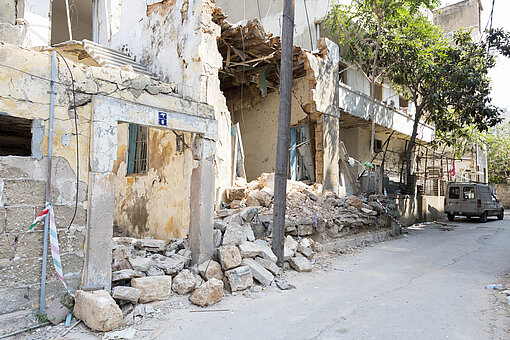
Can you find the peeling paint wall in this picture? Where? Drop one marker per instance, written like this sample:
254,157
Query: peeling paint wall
156,203
176,40
259,126
104,96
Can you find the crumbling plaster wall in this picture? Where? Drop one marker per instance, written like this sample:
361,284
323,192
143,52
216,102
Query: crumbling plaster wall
23,93
176,39
155,203
259,126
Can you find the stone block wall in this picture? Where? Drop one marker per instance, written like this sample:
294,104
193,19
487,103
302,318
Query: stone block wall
503,191
22,197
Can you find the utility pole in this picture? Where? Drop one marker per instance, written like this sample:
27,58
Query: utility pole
283,141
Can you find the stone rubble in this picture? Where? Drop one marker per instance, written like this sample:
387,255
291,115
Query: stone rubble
145,270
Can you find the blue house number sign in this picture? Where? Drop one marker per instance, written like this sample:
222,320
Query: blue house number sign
162,118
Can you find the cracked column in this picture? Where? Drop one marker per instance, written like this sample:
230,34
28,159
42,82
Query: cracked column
202,201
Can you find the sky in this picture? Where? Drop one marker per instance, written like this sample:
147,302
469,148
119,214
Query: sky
501,73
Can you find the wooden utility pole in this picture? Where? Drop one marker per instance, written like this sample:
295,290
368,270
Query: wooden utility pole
283,141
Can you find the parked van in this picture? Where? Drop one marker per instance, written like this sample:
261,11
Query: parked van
471,200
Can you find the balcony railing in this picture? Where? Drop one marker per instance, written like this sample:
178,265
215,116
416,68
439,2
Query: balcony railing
357,104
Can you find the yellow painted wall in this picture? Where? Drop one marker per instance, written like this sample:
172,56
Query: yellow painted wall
156,203
259,128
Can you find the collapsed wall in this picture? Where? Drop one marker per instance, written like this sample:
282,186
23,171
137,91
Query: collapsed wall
24,108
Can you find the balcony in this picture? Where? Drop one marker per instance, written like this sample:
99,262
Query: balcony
357,104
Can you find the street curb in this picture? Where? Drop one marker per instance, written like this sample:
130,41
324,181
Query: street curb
361,240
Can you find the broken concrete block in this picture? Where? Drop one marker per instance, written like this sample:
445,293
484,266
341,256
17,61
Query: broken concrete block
213,270
220,225
151,244
287,254
121,264
239,278
269,265
184,282
248,213
153,288
354,201
258,198
234,234
56,312
300,264
236,193
267,180
258,272
229,257
254,185
125,274
248,249
290,243
225,212
310,194
217,238
236,204
97,310
126,293
153,271
120,252
248,232
366,211
141,264
208,293
265,251
171,265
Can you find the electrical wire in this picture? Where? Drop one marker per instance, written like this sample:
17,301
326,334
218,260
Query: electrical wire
77,143
309,28
258,7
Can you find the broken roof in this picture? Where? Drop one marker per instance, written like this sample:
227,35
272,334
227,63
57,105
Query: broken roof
252,56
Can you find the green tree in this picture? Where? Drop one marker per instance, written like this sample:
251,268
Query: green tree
361,29
447,79
497,140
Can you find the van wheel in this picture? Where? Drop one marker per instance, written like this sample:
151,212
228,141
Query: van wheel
501,214
483,217
451,217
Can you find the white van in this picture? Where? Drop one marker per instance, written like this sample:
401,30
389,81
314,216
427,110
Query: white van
471,200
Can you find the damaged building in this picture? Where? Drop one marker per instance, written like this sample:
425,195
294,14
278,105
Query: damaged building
158,107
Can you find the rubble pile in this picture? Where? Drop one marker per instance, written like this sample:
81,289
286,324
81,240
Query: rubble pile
146,270
311,211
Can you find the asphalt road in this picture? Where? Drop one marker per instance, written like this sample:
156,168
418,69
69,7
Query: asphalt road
428,285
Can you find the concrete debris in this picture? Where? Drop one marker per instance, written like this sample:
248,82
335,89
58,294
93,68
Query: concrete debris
258,272
184,282
56,312
283,285
354,201
248,249
229,256
291,244
234,234
217,238
153,288
171,265
269,265
97,310
213,270
300,264
208,293
239,278
141,264
265,251
125,274
126,293
151,244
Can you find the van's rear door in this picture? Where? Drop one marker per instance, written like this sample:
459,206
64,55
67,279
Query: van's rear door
453,200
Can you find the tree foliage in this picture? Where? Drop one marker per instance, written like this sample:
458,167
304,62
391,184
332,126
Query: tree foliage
497,140
446,78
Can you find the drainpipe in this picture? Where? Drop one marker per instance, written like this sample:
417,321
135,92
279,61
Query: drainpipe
69,21
48,181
